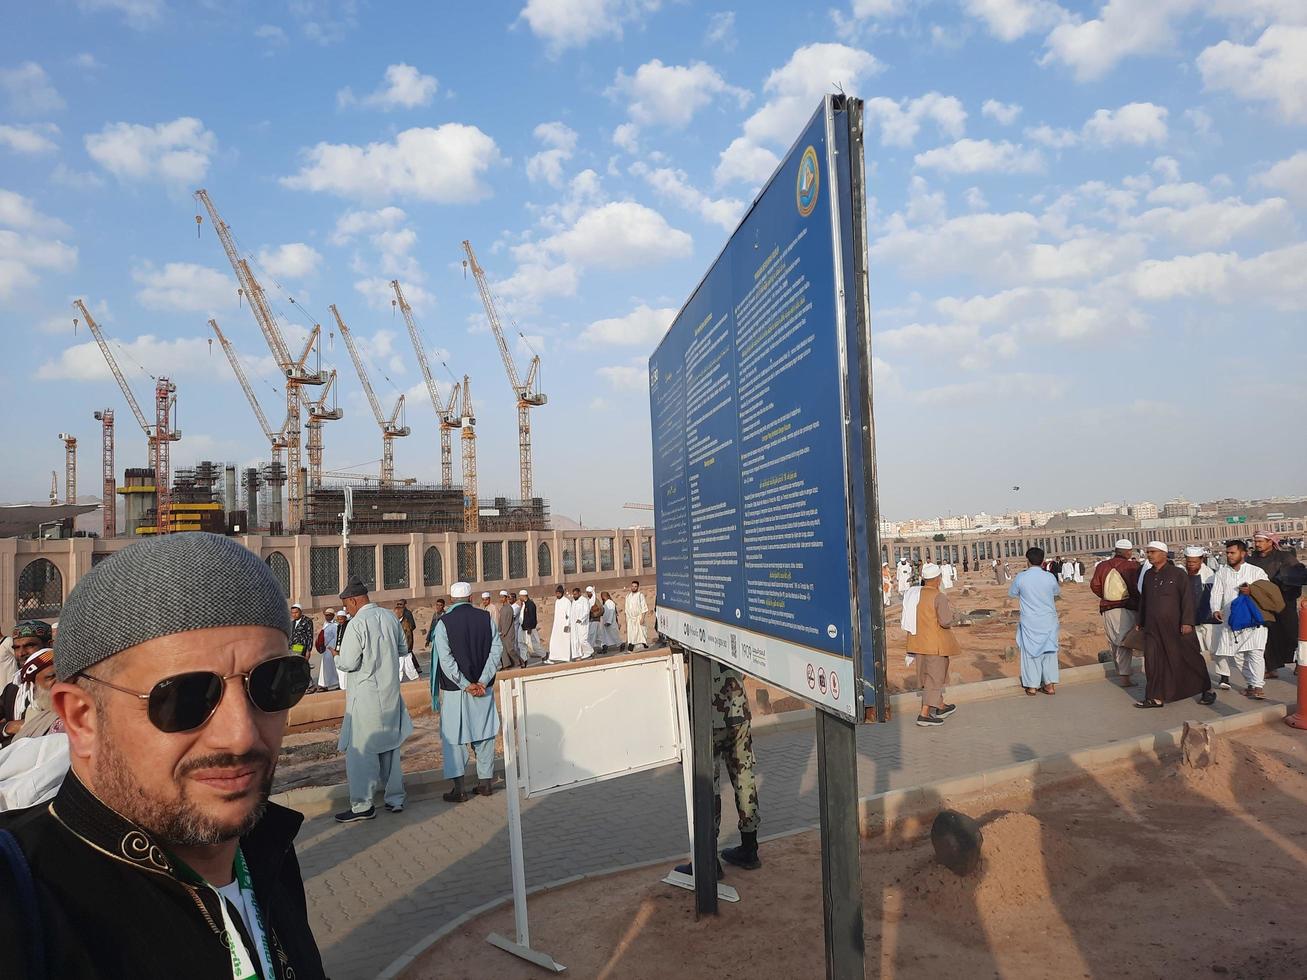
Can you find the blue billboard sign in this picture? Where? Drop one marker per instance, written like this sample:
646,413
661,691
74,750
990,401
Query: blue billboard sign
764,480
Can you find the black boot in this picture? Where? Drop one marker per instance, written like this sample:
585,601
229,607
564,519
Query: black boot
746,855
456,794
486,788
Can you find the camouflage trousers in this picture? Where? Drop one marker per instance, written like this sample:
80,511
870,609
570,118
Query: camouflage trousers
734,746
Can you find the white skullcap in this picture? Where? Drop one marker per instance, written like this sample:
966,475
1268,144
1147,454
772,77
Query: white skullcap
1264,534
1158,545
1194,551
484,595
502,592
929,570
296,605
1124,543
340,613
460,590
523,592
589,588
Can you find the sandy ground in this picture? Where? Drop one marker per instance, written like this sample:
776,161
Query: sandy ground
988,652
1142,870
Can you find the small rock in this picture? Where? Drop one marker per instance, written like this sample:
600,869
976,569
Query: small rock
1197,745
1105,656
957,840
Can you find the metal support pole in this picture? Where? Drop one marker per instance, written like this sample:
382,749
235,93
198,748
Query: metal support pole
841,872
705,840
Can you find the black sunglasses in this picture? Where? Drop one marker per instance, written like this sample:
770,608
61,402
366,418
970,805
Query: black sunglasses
184,702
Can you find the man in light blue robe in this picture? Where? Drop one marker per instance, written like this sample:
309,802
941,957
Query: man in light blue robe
1038,629
467,647
376,721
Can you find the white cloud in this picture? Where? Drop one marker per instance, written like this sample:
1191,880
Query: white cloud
139,14
874,9
377,291
547,165
28,245
617,235
86,61
626,136
1092,48
184,287
1208,224
174,152
325,21
793,92
29,91
900,121
1004,113
353,223
1009,20
80,180
573,23
630,378
1054,139
1289,177
404,88
1272,70
445,164
670,95
642,327
976,199
32,140
175,358
969,156
294,260
536,281
675,185
746,162
1277,277
1134,124
271,33
721,30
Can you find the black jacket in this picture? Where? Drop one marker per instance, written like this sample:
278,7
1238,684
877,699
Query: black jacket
529,620
112,906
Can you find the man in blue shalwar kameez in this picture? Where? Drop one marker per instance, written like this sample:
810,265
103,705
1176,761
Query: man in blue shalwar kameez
1038,629
467,649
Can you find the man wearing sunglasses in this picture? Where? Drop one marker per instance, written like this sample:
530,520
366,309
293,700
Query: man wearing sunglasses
161,855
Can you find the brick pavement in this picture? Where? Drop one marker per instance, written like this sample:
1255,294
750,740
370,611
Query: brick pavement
376,888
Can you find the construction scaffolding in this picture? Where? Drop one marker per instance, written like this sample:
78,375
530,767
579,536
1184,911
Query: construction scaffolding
384,510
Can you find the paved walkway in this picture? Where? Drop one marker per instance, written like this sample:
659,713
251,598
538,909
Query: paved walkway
376,888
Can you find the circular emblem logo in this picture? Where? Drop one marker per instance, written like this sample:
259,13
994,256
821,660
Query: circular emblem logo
808,181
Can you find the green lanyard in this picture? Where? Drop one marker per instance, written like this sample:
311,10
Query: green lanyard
242,963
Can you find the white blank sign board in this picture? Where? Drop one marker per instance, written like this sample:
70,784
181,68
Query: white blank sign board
597,722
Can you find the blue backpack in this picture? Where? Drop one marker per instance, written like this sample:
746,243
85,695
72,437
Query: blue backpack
1244,614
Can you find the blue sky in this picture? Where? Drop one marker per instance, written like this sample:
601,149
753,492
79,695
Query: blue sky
1088,268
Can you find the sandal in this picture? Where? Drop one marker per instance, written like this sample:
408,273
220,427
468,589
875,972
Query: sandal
1030,692
1049,688
1149,704
1256,694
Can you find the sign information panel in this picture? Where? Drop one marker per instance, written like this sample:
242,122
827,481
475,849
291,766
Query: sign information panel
761,438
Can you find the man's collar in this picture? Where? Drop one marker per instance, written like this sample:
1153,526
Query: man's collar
109,832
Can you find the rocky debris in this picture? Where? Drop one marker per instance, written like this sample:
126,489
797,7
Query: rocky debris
1197,745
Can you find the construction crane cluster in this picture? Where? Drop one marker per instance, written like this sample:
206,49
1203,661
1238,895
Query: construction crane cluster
302,372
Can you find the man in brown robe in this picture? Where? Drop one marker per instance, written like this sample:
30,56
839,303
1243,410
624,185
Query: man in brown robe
1172,662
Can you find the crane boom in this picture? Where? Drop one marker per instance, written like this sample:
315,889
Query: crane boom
528,396
391,428
447,412
471,506
359,366
418,348
276,438
113,367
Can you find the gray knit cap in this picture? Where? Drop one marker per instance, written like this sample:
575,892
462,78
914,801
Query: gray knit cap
172,584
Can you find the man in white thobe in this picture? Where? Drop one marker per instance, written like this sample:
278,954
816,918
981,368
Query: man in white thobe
376,721
635,609
560,635
1244,649
904,573
581,647
947,575
593,630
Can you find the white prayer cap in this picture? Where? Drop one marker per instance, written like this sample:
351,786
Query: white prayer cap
296,605
1194,551
1124,543
589,588
342,614
1264,535
1158,546
460,590
502,592
484,595
929,570
524,592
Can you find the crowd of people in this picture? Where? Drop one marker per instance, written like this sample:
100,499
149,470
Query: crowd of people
1237,607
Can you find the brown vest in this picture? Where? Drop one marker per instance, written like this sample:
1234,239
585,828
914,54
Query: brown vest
931,638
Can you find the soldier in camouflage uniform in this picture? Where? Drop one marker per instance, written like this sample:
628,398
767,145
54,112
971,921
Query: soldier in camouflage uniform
733,743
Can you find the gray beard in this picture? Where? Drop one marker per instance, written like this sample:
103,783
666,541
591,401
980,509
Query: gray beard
179,822
41,698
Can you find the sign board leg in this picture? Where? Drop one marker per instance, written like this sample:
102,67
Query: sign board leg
841,872
705,840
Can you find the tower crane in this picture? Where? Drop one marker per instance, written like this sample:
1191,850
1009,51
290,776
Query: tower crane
391,429
471,507
160,436
70,467
319,413
447,412
293,369
527,393
109,493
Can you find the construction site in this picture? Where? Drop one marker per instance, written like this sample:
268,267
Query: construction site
293,491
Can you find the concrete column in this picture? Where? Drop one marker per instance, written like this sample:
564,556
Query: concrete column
416,550
8,581
301,582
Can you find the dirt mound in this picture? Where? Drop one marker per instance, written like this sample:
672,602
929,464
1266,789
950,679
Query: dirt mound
1239,773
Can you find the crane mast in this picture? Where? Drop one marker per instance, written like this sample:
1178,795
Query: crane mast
160,437
471,507
109,491
70,467
390,427
527,394
293,369
446,412
319,413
